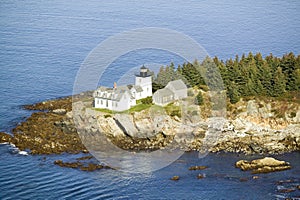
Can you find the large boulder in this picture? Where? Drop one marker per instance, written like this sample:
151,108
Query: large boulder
264,165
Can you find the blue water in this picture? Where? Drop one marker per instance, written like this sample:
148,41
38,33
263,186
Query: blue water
43,43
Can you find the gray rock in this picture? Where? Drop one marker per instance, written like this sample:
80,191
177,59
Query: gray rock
60,111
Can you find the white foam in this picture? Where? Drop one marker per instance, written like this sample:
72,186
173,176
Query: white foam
24,153
12,145
5,143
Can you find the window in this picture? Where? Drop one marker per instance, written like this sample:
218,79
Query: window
101,102
116,104
97,101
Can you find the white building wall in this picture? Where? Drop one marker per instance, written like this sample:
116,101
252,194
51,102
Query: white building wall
139,95
178,94
123,104
146,84
102,103
132,102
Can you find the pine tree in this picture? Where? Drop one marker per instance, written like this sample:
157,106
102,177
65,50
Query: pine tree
212,76
297,79
279,84
233,94
287,64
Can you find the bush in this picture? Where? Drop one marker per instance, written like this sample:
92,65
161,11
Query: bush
293,114
173,110
147,100
199,99
190,93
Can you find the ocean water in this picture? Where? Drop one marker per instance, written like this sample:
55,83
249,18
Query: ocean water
42,46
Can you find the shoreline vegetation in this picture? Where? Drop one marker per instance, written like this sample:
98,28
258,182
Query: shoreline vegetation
263,107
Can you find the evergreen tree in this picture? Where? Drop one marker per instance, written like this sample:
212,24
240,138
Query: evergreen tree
288,64
212,76
233,94
192,74
297,79
248,76
265,78
279,84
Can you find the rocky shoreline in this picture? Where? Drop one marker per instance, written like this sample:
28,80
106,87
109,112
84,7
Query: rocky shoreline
46,131
253,127
252,130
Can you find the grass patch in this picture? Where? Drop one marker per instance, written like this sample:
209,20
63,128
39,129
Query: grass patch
173,110
103,110
139,108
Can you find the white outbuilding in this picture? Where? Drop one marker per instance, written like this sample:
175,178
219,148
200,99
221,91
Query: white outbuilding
174,90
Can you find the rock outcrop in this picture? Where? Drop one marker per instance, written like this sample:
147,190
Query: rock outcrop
253,127
264,165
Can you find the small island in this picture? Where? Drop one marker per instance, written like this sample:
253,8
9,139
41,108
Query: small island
262,111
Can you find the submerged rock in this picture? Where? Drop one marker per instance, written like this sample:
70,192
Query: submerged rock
80,165
243,179
264,165
200,176
286,190
197,167
175,178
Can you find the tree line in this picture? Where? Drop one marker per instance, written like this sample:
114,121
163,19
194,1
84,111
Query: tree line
250,75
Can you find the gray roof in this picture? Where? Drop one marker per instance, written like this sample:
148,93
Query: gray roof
164,92
177,85
138,88
114,94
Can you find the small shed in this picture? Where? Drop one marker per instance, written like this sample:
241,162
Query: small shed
179,89
163,96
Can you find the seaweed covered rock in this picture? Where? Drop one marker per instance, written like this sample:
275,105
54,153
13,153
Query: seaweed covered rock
264,165
4,137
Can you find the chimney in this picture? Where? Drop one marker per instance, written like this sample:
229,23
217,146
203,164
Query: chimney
115,85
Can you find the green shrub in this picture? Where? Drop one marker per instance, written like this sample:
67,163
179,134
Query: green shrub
190,93
199,99
147,100
173,110
293,114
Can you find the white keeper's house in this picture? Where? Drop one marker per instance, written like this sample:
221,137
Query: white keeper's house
120,98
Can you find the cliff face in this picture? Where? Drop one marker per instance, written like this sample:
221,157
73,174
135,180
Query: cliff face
253,127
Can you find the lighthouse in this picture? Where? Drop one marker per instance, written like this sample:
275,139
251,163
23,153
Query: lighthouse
144,80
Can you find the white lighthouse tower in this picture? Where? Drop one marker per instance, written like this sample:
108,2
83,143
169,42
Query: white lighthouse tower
144,80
